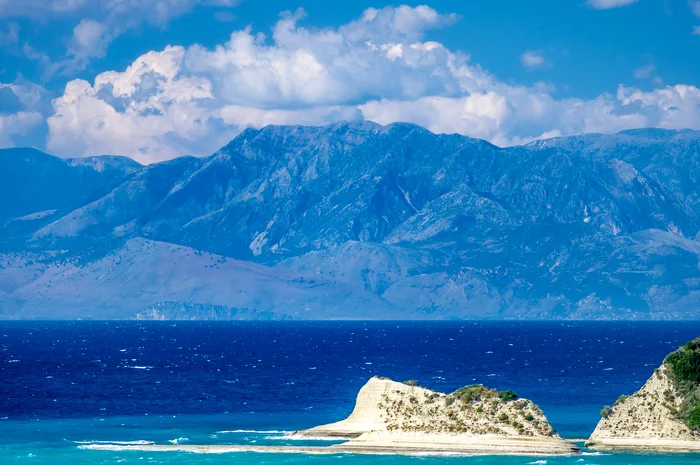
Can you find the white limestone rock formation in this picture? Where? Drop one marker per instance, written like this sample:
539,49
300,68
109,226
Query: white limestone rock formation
401,418
647,420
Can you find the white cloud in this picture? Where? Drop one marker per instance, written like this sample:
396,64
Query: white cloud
40,8
380,67
608,4
20,111
90,40
101,22
695,7
533,59
136,11
10,35
224,16
644,72
696,31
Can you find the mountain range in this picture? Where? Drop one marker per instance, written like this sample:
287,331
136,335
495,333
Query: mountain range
359,221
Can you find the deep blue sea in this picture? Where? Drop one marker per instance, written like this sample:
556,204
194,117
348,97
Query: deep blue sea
63,384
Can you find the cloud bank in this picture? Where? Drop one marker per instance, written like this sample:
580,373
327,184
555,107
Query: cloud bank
380,67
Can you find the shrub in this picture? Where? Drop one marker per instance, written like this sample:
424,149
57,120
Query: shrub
411,382
685,362
684,367
508,395
473,393
620,399
606,412
694,418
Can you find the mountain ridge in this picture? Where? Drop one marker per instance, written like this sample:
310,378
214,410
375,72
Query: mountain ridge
433,226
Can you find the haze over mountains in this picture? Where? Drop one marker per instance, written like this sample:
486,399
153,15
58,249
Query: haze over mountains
358,220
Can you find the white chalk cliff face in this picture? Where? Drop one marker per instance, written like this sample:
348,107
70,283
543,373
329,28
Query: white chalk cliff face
390,416
647,420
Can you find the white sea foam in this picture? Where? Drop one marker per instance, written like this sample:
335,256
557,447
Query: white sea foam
118,443
300,437
254,431
178,440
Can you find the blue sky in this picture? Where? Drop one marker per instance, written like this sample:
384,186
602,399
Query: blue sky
156,79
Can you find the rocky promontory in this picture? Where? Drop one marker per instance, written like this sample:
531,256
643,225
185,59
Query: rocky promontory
402,417
405,419
664,415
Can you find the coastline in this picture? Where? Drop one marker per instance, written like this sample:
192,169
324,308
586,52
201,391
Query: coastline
404,444
651,445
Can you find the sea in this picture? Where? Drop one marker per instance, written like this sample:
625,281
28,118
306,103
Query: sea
64,385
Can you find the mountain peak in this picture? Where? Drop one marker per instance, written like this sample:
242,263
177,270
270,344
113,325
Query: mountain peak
654,133
449,226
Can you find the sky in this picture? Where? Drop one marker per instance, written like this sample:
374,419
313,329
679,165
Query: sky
158,79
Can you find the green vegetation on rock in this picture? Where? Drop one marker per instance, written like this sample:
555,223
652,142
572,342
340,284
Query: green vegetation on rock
508,395
477,392
473,409
684,367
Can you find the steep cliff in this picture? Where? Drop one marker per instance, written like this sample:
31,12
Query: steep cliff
663,415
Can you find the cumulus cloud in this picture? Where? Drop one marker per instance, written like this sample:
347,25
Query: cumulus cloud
380,67
190,100
608,4
90,40
533,59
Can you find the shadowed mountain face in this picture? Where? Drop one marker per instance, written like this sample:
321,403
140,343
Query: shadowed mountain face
387,221
35,186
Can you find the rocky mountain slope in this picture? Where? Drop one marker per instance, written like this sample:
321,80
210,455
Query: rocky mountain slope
422,225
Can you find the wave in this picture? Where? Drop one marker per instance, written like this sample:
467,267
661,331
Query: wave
299,437
118,443
254,431
178,440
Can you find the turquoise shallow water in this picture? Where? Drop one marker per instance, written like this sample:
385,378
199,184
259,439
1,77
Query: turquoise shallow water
56,442
64,385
